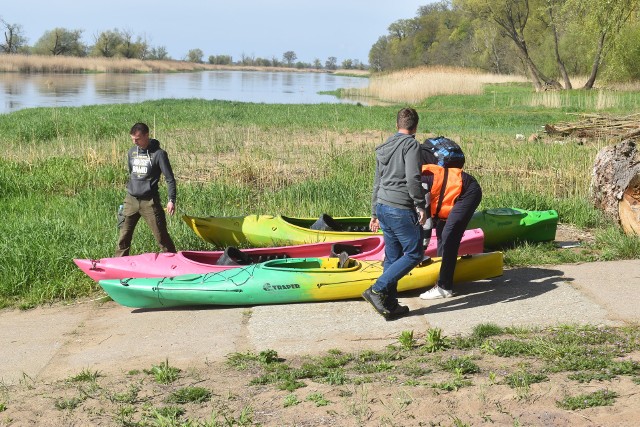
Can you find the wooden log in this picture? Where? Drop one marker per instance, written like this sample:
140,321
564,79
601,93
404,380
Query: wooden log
616,172
629,207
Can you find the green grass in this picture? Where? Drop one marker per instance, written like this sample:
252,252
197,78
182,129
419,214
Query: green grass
435,341
291,400
86,375
189,395
406,340
62,174
68,404
524,378
164,373
463,364
318,399
590,400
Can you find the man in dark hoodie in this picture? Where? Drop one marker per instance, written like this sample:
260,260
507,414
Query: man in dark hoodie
398,208
146,161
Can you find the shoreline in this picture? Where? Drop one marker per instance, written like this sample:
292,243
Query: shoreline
40,64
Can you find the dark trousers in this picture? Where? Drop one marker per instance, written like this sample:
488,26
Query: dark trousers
449,232
153,213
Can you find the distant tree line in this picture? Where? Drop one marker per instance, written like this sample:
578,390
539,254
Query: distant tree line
124,44
548,40
66,42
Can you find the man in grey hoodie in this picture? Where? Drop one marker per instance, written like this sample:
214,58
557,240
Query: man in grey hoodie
398,208
146,161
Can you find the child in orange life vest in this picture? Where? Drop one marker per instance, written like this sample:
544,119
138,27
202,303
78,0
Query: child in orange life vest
453,196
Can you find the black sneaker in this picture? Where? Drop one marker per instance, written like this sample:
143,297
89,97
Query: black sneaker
376,300
397,310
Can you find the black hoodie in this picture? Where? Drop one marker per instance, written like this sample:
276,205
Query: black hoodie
145,167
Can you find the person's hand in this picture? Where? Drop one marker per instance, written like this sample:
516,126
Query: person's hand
171,208
374,225
422,216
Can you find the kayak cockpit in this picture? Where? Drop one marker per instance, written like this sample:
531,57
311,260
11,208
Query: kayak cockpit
313,264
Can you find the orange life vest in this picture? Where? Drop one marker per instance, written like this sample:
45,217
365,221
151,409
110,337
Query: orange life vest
445,190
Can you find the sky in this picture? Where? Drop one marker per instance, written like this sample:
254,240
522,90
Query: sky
312,29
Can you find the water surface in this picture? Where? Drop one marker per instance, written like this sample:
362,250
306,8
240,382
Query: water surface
18,91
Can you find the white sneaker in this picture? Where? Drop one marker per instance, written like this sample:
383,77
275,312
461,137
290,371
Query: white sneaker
436,293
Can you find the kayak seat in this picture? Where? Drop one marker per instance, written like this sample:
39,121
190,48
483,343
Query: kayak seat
343,260
269,257
326,223
233,256
426,260
338,248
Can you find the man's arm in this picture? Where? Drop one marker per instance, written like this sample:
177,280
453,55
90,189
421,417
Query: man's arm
374,193
167,171
413,166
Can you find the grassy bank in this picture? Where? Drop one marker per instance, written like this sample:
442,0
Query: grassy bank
62,174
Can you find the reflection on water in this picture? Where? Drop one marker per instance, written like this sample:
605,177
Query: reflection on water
18,91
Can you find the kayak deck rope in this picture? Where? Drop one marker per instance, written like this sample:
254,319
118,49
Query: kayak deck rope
319,285
158,288
208,276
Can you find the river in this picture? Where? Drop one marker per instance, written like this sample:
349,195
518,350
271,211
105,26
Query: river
19,91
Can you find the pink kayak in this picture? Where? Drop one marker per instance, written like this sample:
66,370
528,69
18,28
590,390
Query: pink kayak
200,262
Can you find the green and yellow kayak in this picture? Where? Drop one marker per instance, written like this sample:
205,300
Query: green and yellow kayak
289,280
280,230
501,227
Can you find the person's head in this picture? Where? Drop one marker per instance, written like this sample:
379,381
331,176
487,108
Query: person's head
140,135
407,120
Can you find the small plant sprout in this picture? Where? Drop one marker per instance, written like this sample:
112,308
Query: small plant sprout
163,373
406,339
435,341
318,398
291,400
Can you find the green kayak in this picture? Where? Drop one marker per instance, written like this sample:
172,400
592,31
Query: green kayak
506,226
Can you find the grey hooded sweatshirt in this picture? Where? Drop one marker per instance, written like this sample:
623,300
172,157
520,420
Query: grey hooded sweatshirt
397,180
145,167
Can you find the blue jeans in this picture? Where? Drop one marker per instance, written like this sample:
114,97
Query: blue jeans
403,248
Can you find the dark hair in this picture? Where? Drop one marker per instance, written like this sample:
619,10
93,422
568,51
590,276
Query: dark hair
139,127
407,119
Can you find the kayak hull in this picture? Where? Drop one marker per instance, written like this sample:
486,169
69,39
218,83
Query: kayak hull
506,226
286,281
189,262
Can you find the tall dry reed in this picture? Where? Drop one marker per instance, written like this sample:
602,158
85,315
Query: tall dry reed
72,64
594,100
416,84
